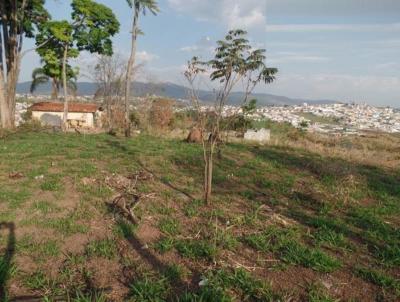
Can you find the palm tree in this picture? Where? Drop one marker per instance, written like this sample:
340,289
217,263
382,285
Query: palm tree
39,77
138,7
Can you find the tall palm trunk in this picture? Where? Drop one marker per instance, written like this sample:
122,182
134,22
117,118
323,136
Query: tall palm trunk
64,78
131,64
54,89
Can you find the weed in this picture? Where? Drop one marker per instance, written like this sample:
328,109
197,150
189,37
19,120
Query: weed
124,229
169,226
38,281
329,237
105,248
51,183
149,289
196,249
379,278
284,244
192,208
44,207
89,297
164,245
14,198
174,272
226,240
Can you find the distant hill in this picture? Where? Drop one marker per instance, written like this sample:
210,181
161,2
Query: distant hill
178,92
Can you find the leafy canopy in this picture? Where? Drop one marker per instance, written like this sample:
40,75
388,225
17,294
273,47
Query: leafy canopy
32,15
91,29
144,6
234,55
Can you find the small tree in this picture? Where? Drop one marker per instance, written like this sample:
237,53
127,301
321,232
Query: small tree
235,62
161,113
109,74
138,7
45,74
91,29
18,19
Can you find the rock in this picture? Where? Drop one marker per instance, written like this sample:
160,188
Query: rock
261,136
16,175
39,177
194,136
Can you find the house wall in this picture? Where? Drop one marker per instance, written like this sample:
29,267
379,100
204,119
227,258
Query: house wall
55,118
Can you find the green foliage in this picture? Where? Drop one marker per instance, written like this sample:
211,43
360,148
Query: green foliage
379,278
327,236
32,16
196,249
89,297
144,6
164,245
235,55
125,229
284,243
94,25
149,289
105,248
191,208
169,226
317,294
250,107
91,29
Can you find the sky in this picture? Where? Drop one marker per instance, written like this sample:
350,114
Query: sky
345,50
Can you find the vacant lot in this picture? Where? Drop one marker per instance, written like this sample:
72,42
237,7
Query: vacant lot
285,224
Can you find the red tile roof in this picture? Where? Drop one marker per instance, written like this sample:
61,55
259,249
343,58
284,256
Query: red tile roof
59,107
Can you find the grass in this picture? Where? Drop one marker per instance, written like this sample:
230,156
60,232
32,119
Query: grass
196,249
149,289
284,243
304,203
101,248
329,237
169,226
379,278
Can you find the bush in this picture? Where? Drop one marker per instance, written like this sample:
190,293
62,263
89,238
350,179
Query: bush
161,113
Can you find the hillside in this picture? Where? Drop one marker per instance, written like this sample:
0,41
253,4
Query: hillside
305,219
177,92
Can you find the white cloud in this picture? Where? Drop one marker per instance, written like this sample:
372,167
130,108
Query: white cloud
145,57
389,27
288,57
204,46
247,14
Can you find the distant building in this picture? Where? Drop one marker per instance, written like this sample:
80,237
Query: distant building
80,115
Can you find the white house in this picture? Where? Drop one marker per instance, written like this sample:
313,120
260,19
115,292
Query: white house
80,115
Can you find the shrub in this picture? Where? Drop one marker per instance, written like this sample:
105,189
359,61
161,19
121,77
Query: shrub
161,113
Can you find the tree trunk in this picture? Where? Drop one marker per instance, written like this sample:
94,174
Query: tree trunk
64,78
208,176
7,96
131,64
54,89
4,114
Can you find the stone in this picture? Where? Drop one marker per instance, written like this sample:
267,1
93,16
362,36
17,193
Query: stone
194,136
261,136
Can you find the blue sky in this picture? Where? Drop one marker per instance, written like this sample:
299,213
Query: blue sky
344,49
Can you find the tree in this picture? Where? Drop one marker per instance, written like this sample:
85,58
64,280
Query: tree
234,62
138,7
91,29
41,76
18,19
109,74
161,113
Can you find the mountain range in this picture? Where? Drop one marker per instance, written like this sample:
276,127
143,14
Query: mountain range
175,91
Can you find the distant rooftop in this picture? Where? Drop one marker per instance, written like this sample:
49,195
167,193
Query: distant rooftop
72,107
